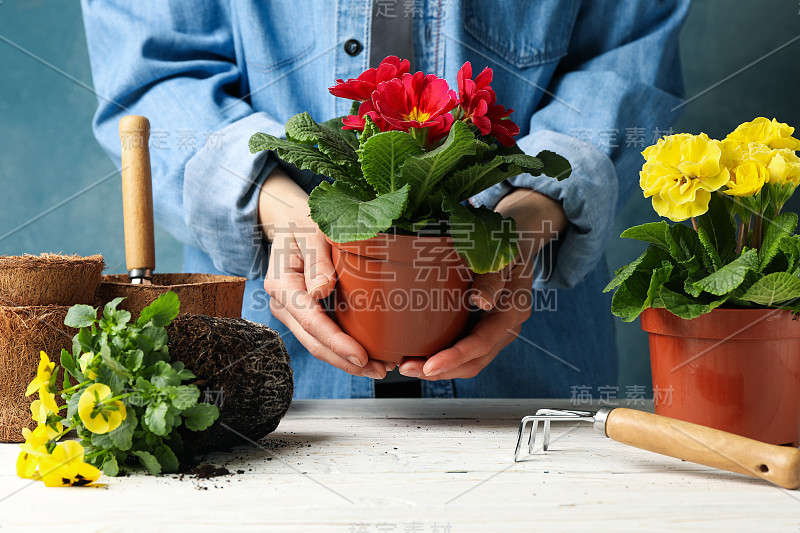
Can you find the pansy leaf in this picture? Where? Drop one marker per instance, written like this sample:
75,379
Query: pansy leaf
200,416
80,316
149,461
155,418
161,311
110,466
167,459
122,436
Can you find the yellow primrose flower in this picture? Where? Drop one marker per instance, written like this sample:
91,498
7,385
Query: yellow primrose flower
771,133
97,415
680,174
65,467
34,448
84,361
747,179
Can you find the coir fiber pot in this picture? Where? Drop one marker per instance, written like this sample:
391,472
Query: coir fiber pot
737,370
200,294
24,332
401,295
49,279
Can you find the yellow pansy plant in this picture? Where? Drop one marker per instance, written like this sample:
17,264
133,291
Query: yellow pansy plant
113,359
680,173
99,412
65,466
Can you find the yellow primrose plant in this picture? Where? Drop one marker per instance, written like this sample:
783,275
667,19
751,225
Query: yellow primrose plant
740,251
124,399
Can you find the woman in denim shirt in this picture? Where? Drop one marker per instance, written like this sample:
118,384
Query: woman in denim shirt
594,80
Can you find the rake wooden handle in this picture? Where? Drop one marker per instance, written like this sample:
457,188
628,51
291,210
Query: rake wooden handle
137,193
706,446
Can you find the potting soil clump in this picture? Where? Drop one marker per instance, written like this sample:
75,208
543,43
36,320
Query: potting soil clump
243,368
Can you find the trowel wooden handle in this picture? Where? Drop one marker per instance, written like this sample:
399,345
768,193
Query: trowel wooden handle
137,193
705,446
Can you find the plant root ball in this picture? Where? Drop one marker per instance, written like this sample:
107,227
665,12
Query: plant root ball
243,368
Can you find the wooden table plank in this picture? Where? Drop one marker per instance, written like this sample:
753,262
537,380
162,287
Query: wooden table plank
420,466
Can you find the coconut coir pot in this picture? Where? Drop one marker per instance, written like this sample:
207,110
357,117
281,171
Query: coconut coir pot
24,332
737,370
49,279
401,295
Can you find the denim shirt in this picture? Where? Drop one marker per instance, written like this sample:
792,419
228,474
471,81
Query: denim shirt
593,80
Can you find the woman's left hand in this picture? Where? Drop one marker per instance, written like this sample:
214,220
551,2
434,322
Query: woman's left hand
505,296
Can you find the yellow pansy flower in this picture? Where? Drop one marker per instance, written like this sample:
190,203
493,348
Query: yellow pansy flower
41,383
84,361
747,179
680,174
43,374
34,448
768,132
98,415
65,467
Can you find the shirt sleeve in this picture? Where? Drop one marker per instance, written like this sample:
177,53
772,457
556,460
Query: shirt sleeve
174,62
618,86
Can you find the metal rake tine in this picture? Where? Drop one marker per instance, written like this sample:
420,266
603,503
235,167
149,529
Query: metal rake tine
522,425
546,441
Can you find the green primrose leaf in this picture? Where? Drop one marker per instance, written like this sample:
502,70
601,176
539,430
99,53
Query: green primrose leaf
652,232
382,156
423,172
774,289
149,461
80,316
161,311
729,276
684,245
650,259
344,216
776,230
711,255
200,416
301,155
336,125
718,227
484,238
637,292
686,307
303,129
553,165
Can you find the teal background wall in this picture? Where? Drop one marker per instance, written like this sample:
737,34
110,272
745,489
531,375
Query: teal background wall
59,192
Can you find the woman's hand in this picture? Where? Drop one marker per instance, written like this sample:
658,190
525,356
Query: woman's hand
300,273
505,296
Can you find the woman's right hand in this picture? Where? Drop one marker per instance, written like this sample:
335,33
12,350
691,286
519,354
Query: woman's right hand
300,272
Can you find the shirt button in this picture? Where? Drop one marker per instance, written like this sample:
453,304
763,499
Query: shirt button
353,47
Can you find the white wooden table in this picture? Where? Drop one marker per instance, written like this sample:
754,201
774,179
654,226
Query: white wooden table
422,466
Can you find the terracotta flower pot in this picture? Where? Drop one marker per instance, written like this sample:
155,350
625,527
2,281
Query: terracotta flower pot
401,295
737,370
